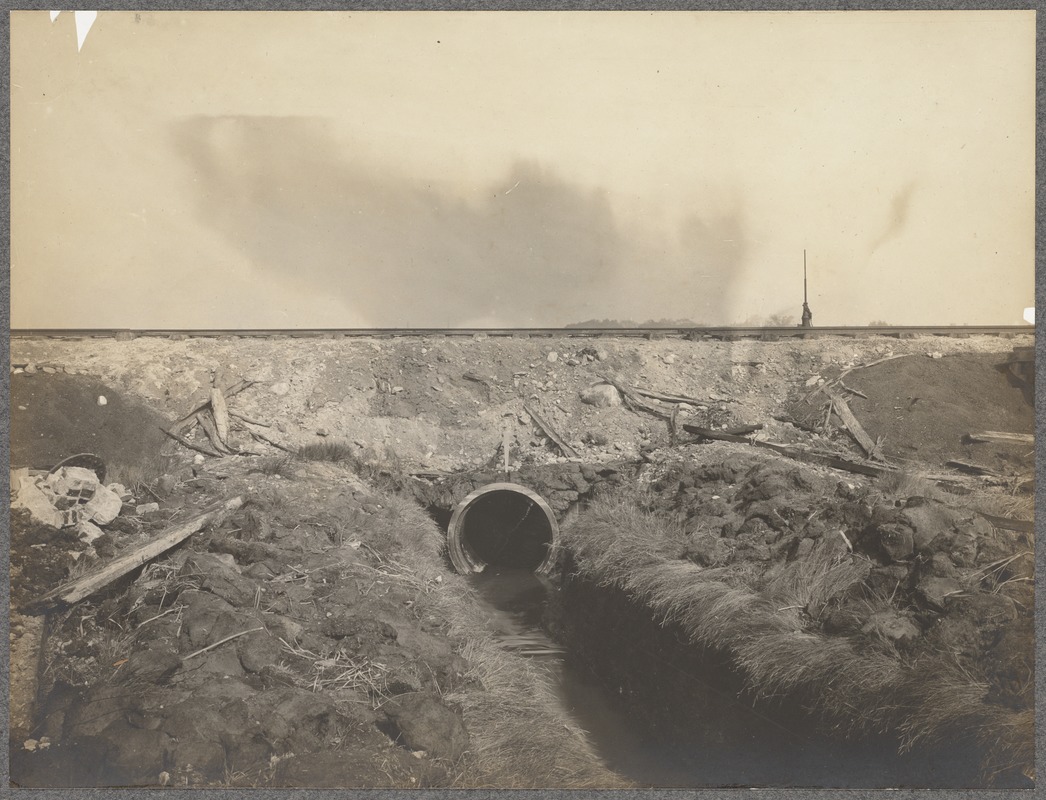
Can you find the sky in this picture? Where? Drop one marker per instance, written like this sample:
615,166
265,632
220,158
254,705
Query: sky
521,169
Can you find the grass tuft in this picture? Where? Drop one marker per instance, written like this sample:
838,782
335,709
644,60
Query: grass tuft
758,622
328,451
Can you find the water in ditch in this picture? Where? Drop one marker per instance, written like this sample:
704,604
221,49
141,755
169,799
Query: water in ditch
731,744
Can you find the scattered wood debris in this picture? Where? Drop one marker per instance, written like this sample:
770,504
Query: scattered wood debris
999,437
77,590
633,400
842,410
550,432
972,469
1009,524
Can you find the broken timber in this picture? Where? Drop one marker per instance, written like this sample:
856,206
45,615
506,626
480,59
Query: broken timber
1005,523
210,428
998,437
187,421
77,590
850,421
550,432
221,415
634,401
798,454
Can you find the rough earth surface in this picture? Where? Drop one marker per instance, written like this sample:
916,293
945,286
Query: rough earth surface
349,666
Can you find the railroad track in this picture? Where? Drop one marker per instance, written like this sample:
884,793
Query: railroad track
726,333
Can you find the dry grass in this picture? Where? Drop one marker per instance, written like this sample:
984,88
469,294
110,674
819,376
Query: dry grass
809,583
853,688
519,736
327,451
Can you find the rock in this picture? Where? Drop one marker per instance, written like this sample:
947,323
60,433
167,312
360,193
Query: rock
552,357
596,438
121,491
931,524
280,389
888,579
933,592
258,650
892,626
88,531
104,507
602,355
322,432
146,508
671,358
941,566
812,381
38,503
895,541
423,722
30,369
283,627
49,370
101,400
935,354
601,395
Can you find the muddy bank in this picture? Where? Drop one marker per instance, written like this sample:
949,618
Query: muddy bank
879,608
316,637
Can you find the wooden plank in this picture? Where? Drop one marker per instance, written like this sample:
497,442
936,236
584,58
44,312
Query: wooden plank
1006,523
221,415
844,413
971,469
1000,437
77,590
550,432
719,436
187,421
796,453
207,423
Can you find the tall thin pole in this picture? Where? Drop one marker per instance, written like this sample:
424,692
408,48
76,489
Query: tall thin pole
808,318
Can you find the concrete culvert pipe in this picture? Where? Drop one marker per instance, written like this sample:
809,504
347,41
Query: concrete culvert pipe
502,525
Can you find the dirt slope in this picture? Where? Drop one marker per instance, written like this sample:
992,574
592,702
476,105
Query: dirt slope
445,403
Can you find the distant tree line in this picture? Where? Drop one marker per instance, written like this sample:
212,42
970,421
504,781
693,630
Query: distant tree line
628,323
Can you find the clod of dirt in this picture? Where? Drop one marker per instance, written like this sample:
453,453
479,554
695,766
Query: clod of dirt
423,722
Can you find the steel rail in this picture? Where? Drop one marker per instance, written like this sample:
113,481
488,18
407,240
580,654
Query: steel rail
705,332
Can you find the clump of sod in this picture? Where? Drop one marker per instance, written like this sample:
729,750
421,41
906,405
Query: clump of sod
755,622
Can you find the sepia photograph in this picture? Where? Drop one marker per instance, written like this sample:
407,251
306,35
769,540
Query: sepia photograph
545,399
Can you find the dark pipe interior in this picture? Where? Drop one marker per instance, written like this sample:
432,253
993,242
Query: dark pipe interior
507,529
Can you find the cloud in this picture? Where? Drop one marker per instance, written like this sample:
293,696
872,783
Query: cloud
400,250
899,207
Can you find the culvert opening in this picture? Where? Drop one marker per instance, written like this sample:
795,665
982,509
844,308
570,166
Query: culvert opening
502,525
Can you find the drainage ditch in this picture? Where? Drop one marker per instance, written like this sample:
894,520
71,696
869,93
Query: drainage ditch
657,710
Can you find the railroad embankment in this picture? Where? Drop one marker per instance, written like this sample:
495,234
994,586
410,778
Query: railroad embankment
854,550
